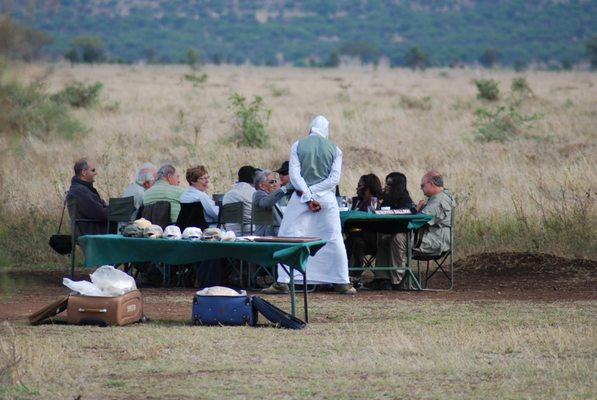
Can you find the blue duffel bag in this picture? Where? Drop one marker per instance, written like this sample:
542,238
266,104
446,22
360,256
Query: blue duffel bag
239,310
224,310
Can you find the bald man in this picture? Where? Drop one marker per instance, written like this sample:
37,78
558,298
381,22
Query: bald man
439,205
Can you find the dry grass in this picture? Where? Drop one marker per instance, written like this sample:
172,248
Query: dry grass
355,348
519,188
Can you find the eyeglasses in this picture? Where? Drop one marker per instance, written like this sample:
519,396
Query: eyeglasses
272,181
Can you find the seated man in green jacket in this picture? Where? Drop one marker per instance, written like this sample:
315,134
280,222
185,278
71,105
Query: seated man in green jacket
166,188
439,205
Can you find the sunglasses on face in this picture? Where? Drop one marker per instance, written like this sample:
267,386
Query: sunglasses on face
272,181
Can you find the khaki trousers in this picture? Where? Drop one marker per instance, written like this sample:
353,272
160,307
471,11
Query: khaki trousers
391,252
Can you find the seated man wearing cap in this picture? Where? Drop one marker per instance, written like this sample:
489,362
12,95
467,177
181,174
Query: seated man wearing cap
284,182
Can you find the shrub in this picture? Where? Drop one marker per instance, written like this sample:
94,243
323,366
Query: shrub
520,84
415,103
488,89
278,91
78,95
501,124
196,80
87,49
251,120
415,58
28,110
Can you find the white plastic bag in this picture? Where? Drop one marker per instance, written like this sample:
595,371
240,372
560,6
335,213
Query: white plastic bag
84,288
112,282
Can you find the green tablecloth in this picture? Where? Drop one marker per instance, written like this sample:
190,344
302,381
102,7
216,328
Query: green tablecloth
383,223
115,249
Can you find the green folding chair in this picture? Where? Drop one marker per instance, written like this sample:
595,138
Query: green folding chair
233,213
120,209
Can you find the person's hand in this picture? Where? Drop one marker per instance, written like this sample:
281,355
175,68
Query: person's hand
314,205
420,205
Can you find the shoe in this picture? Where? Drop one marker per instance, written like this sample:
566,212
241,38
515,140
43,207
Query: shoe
276,288
344,289
367,277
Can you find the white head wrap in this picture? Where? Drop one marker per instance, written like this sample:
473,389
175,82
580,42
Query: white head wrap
320,126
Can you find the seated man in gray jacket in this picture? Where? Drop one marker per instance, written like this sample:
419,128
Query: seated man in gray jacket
266,196
439,205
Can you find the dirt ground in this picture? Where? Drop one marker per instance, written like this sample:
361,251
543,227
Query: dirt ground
482,277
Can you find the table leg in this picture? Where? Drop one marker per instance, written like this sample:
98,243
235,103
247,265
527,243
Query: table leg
292,294
305,291
412,281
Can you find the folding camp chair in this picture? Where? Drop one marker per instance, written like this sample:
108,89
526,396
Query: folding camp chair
233,213
120,209
263,218
442,263
217,198
191,214
159,214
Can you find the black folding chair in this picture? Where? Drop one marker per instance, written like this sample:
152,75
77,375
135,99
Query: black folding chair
158,213
442,263
191,214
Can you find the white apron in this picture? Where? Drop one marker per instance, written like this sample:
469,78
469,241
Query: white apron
330,264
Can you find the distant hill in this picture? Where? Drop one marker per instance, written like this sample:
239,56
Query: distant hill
282,31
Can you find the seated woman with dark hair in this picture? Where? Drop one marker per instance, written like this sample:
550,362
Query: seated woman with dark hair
361,242
391,248
369,186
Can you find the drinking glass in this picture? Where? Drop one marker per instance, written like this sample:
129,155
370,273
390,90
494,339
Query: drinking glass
373,205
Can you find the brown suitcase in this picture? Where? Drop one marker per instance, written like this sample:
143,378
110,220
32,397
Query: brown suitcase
103,311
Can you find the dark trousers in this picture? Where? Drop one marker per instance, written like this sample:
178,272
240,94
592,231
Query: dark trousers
358,244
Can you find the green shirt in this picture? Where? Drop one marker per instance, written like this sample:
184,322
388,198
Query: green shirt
163,191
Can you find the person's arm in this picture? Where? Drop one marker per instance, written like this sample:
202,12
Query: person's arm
295,175
267,202
333,178
91,207
209,207
435,209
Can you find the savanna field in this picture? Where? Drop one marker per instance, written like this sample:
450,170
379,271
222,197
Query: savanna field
522,168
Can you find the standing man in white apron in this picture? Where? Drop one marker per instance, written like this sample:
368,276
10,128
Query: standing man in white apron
315,166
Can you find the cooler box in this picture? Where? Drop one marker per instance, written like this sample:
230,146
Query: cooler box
104,311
